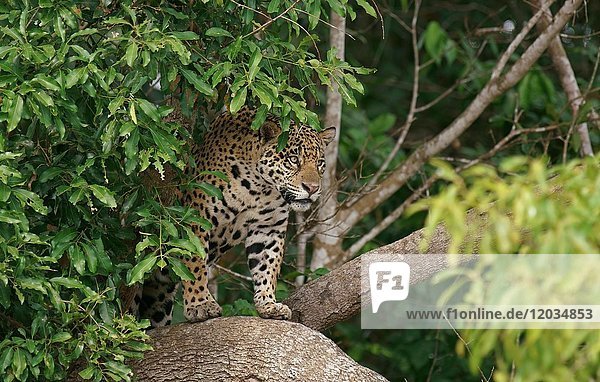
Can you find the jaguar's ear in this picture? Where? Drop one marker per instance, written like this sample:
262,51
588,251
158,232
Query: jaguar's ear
269,131
328,135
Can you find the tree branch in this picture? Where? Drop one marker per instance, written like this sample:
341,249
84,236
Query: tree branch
566,75
246,349
336,296
348,216
333,117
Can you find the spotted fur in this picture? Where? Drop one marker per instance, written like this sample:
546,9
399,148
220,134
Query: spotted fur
264,185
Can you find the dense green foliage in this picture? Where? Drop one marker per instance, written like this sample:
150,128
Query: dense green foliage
77,129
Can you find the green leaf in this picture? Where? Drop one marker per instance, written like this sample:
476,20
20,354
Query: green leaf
132,113
149,109
67,282
49,174
77,195
196,81
77,259
435,40
32,199
90,257
187,35
74,76
208,189
59,27
259,118
195,240
217,32
239,99
137,273
181,269
88,372
367,7
6,359
254,62
4,301
47,82
14,113
4,192
116,103
19,362
61,337
178,15
103,259
11,217
265,94
104,195
31,283
131,53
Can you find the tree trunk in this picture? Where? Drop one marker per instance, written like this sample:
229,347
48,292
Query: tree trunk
248,349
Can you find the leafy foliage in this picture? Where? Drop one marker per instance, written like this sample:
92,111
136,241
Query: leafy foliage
529,208
77,130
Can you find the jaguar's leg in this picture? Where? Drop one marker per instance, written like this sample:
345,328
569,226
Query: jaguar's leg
265,255
199,304
156,299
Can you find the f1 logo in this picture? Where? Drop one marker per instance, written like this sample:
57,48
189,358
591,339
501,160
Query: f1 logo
389,281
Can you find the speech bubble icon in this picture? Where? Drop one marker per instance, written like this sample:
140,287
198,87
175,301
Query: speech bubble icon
389,282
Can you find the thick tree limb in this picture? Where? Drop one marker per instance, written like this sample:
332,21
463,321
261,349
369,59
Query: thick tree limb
336,296
246,349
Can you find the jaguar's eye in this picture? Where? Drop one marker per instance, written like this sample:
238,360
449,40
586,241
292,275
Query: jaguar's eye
294,160
321,165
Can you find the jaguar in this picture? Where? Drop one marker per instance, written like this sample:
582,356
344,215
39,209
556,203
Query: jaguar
261,187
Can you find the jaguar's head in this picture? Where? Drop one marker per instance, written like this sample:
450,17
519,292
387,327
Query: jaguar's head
297,170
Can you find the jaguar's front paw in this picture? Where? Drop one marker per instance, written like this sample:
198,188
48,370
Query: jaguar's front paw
274,310
198,312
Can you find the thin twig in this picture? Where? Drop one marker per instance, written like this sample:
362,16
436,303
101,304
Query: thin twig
413,101
395,215
232,273
271,21
301,256
518,40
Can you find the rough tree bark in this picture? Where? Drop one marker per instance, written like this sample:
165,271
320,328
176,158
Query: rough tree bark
253,349
249,349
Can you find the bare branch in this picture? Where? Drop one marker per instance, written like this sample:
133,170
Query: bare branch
333,117
395,215
518,40
565,72
350,215
232,273
301,256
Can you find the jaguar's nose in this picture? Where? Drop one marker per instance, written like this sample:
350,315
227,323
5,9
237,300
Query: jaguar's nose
311,188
